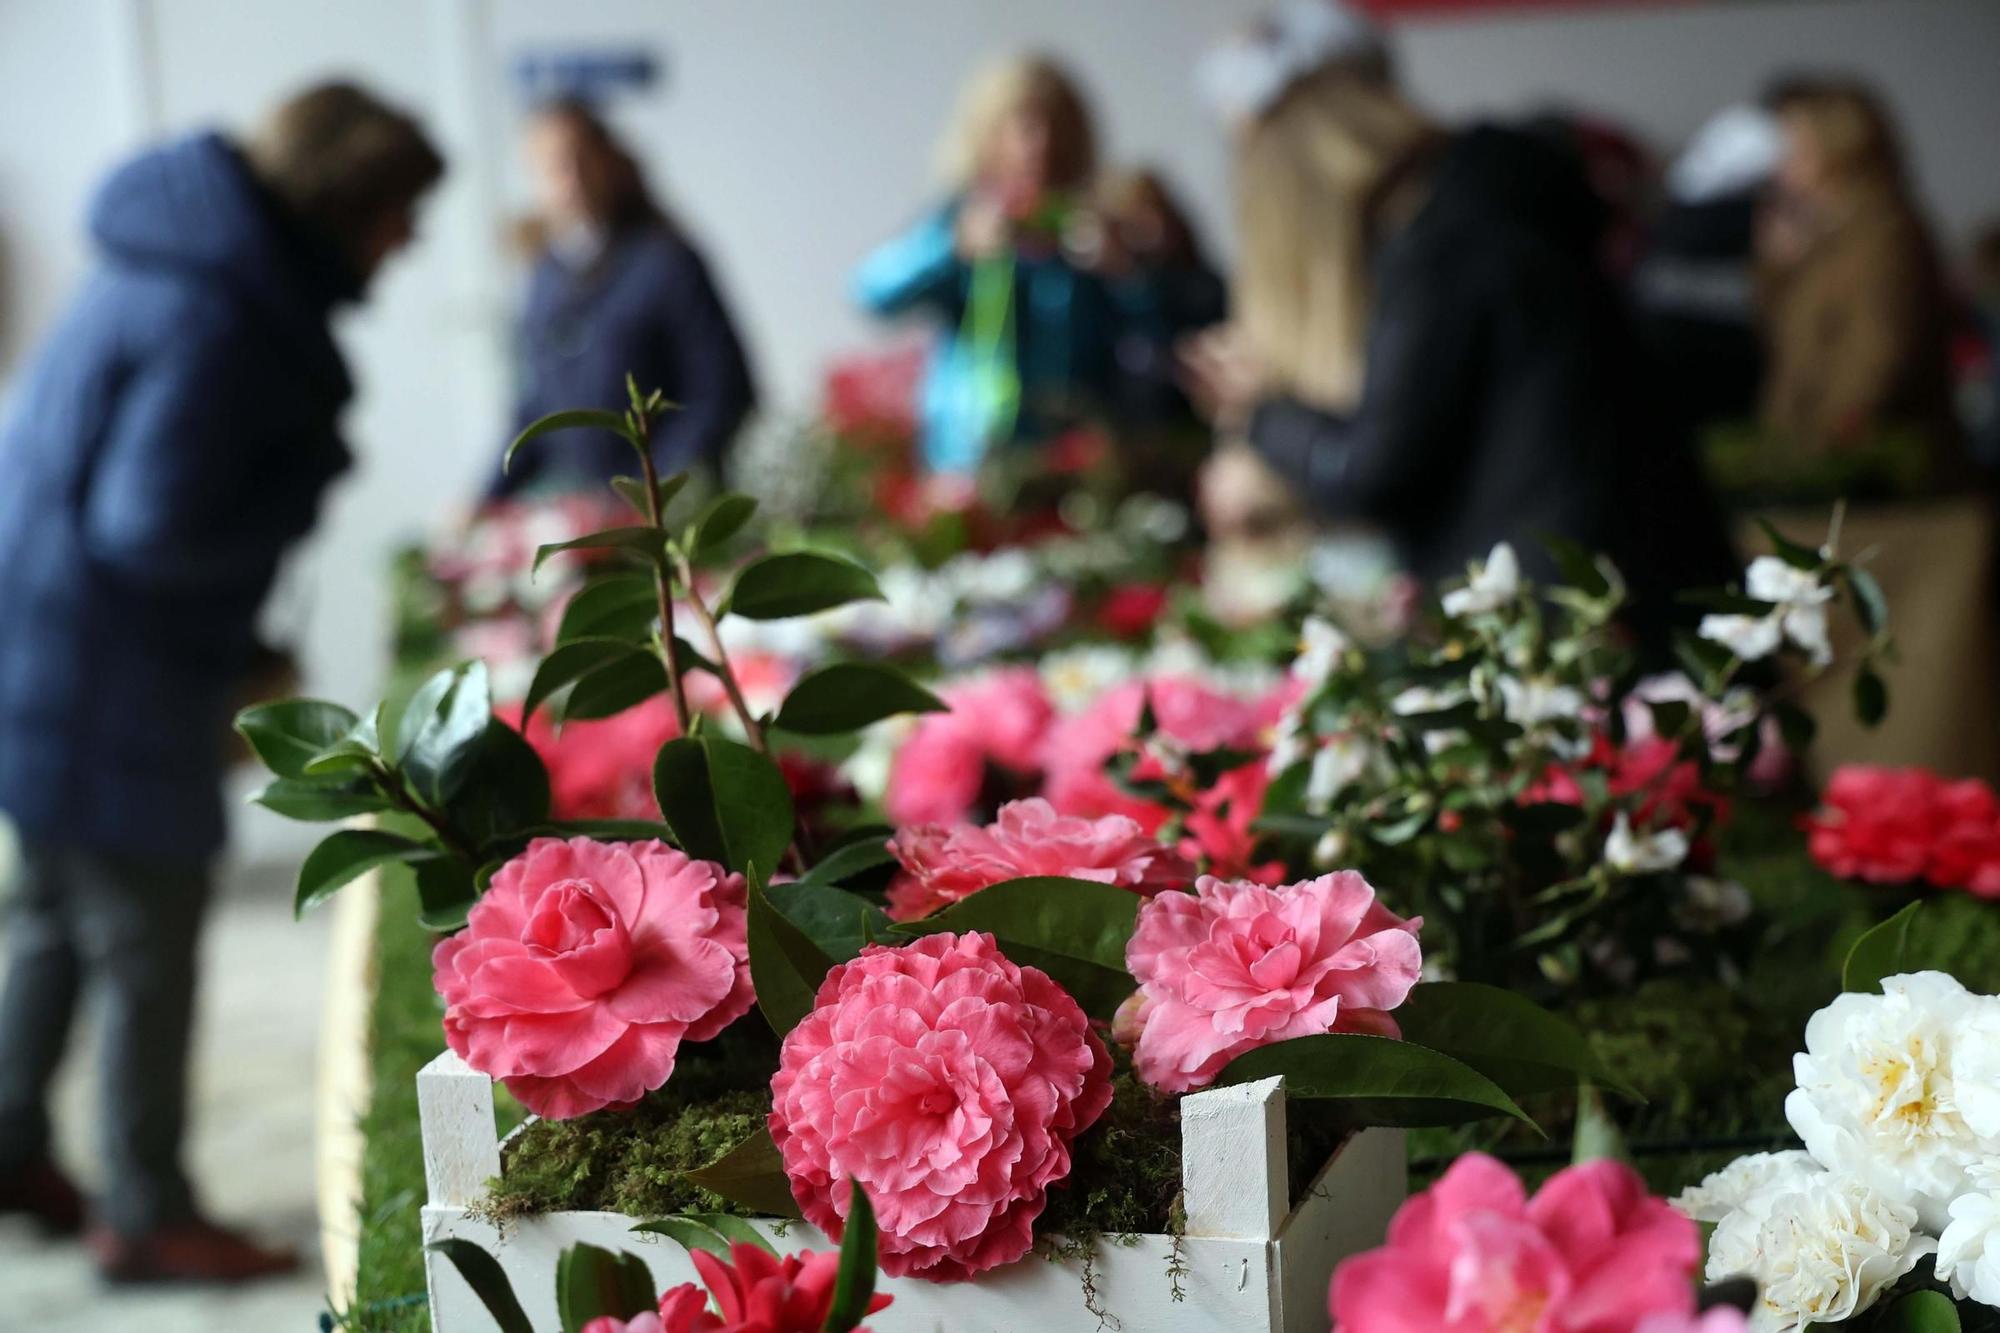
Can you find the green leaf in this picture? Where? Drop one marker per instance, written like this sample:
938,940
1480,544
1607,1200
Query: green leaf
504,787
1796,555
733,1228
616,686
844,863
1362,1080
356,752
593,1283
287,735
854,1287
837,921
617,606
607,830
720,519
752,1174
442,744
569,663
647,542
1869,601
691,1234
724,801
421,706
446,891
1073,929
482,1272
316,800
1871,697
786,967
1920,1312
1880,952
1509,1038
345,856
847,696
799,583
570,420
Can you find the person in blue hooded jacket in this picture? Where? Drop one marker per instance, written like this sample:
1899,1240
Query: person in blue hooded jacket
1028,334
617,290
170,439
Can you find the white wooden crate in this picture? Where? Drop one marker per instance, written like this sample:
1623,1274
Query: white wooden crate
1254,1263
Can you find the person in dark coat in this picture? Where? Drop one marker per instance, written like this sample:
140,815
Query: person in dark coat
171,438
617,290
1454,365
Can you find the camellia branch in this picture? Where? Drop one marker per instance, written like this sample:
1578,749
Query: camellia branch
752,728
663,586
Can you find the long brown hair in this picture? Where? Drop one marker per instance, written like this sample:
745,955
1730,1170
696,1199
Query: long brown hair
614,184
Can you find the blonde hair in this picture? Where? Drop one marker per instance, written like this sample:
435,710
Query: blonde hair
1310,173
1850,128
1003,88
342,159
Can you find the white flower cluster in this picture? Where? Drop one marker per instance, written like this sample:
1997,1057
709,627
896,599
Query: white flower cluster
1898,1103
1798,599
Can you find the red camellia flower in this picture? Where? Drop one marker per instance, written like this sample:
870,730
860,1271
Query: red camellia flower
586,964
1131,609
950,1084
755,1292
944,863
1896,826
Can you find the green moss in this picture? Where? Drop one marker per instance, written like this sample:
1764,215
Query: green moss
1125,1173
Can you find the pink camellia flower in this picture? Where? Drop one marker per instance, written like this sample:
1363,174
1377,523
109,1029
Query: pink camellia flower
999,718
1592,1252
942,864
949,1083
1187,712
755,1292
1237,965
586,964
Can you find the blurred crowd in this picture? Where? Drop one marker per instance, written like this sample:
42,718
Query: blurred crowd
1451,335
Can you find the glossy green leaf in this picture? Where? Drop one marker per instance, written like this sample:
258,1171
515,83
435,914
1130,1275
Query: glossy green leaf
572,419
442,744
724,801
644,541
735,1229
421,706
786,967
288,734
1361,1080
1879,953
1871,696
855,858
722,518
837,921
608,830
854,1286
446,890
1869,601
690,1234
1509,1038
616,686
345,856
752,1174
504,788
1920,1312
572,661
617,606
317,800
799,583
1073,929
1795,554
848,696
687,799
482,1272
354,753
593,1283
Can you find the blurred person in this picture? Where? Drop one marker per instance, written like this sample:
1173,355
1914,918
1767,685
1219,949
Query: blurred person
1026,330
1695,286
1856,320
1424,338
1163,286
617,289
1986,314
171,438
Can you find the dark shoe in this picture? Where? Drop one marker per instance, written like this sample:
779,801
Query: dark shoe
41,1191
191,1251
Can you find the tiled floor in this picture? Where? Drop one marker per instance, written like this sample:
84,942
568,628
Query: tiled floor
252,1146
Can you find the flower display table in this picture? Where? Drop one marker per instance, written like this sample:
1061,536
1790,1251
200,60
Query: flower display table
1251,1260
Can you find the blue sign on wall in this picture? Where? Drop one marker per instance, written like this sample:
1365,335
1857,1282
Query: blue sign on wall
591,75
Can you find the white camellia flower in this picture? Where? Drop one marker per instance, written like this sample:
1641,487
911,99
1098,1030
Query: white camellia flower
1289,744
1338,764
1321,645
1537,700
1822,1247
1491,586
1878,1097
1798,612
1643,853
1749,637
1968,1253
1723,1192
1075,677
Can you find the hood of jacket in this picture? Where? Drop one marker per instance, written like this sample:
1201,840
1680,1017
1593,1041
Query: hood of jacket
192,205
1490,175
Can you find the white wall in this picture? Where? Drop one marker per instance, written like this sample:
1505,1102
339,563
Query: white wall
791,134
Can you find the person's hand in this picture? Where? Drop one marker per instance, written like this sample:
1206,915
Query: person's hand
984,229
1222,374
1237,494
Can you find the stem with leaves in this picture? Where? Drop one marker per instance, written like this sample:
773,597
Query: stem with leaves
642,422
752,728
